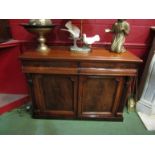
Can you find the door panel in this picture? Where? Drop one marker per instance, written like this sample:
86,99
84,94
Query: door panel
58,94
99,96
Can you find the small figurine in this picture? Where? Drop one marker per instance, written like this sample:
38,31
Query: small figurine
75,35
131,104
88,41
120,29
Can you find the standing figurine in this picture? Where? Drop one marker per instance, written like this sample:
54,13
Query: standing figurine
120,29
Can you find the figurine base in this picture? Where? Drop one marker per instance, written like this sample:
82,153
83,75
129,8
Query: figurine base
118,52
83,49
122,50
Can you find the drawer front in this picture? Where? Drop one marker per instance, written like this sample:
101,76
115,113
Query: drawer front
50,63
110,65
108,71
72,64
50,70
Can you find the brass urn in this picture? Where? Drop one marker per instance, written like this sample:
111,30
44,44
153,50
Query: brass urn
40,27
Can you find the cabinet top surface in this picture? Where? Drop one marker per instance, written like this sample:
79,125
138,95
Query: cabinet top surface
63,53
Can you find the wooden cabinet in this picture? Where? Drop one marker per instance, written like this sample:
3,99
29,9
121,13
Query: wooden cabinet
79,86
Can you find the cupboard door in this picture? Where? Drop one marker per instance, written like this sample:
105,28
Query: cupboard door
55,95
99,96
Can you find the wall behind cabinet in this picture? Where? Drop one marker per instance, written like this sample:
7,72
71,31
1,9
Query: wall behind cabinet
137,42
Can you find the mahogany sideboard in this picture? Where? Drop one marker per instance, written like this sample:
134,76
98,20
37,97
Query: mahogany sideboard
79,86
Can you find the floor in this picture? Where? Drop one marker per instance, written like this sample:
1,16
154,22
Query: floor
19,122
148,121
10,101
6,99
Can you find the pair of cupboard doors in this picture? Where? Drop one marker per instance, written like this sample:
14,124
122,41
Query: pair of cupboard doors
77,86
